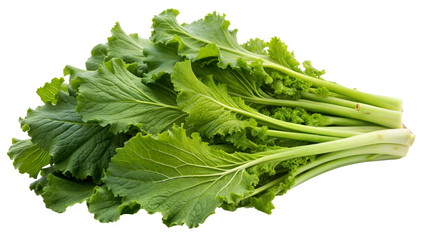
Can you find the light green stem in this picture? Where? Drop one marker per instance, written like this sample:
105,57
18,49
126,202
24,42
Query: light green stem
360,129
375,100
383,149
330,99
300,136
380,116
281,125
342,121
340,163
390,136
332,162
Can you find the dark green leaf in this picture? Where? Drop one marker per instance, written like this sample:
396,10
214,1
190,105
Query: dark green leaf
60,193
107,208
83,149
180,177
113,96
99,54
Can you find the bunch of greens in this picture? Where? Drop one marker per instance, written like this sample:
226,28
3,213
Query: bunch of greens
190,120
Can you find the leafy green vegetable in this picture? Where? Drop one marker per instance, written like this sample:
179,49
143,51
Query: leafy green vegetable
50,91
210,38
82,149
127,47
28,157
114,96
99,54
182,178
106,207
59,193
190,121
185,180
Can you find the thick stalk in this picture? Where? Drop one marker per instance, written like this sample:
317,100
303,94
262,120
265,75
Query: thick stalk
282,125
387,151
342,121
372,99
322,169
382,149
360,129
390,136
340,163
300,136
384,117
330,99
340,96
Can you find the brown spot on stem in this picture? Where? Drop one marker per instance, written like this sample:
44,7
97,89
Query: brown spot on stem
357,107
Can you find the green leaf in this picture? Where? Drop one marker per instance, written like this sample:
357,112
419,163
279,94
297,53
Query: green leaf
28,157
209,38
49,92
38,185
210,108
244,81
83,149
285,86
99,54
108,208
255,46
113,96
127,47
311,71
160,59
60,193
73,72
206,38
180,177
278,51
263,202
298,115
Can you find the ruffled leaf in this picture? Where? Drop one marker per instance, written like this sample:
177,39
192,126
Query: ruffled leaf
127,47
113,96
49,92
99,54
108,208
278,51
60,193
179,176
210,108
80,148
28,157
256,46
160,59
202,39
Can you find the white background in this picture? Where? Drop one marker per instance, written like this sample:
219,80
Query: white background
375,46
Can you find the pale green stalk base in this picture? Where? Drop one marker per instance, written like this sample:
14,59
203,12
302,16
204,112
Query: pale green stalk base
373,146
340,163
